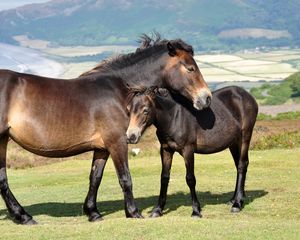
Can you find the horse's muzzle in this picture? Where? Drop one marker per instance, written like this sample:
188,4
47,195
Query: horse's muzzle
203,100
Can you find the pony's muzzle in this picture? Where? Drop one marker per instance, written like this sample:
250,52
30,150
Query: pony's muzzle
202,100
133,136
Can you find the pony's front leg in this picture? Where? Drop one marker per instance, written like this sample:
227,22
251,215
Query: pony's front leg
119,154
166,160
188,155
90,204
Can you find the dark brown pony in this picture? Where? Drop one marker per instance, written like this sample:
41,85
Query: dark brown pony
60,118
227,123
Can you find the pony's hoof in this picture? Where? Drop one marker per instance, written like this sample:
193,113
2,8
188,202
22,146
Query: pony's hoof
196,215
156,213
134,215
235,209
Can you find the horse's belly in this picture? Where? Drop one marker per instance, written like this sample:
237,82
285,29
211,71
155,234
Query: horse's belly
54,141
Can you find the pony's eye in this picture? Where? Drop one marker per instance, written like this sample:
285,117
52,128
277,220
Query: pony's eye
190,68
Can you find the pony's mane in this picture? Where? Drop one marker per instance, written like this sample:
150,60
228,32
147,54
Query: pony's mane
140,90
152,92
148,46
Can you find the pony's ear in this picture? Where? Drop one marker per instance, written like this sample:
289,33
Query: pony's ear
162,92
128,106
171,49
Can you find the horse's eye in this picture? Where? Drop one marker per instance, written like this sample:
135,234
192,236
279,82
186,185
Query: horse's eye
190,68
145,111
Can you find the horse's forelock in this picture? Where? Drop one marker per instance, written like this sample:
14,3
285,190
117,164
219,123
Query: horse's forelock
180,44
146,42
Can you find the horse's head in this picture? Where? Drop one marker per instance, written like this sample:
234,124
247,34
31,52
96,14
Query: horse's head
141,107
182,74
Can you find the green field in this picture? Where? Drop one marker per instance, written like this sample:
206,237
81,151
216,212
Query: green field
54,193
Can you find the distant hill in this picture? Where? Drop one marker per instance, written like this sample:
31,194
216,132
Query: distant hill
207,24
274,94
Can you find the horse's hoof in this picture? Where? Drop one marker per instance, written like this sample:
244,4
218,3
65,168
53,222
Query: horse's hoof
95,218
196,215
156,213
30,222
138,215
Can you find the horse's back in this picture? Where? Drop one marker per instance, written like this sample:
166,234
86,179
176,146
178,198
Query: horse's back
50,117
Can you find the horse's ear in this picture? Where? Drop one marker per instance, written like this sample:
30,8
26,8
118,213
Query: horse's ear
171,49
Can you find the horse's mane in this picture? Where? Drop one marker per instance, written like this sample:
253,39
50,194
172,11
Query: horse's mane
148,46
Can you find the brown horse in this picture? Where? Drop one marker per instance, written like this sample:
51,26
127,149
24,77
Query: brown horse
60,118
227,123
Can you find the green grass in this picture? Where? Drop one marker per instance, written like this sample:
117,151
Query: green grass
53,194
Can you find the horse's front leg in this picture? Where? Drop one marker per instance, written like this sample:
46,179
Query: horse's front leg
166,160
90,204
15,209
188,155
119,154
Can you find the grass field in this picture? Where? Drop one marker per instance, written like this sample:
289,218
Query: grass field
54,193
249,65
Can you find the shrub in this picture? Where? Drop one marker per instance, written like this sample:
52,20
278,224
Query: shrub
281,140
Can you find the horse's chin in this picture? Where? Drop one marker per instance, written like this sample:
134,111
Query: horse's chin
198,106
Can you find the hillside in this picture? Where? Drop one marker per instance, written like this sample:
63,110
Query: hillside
207,24
274,94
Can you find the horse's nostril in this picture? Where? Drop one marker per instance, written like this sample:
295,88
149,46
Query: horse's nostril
208,101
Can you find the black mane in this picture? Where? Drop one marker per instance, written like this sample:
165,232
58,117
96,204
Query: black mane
149,46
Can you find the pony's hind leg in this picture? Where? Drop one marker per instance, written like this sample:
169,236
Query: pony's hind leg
240,155
90,204
191,181
15,209
166,161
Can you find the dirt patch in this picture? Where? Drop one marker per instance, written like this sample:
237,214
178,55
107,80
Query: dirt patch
275,109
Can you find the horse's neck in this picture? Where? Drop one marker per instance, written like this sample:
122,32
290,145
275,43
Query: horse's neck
143,73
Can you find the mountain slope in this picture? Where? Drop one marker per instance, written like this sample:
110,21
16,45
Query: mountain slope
200,22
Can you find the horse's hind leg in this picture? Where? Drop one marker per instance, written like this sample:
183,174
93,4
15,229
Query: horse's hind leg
14,208
240,156
90,204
